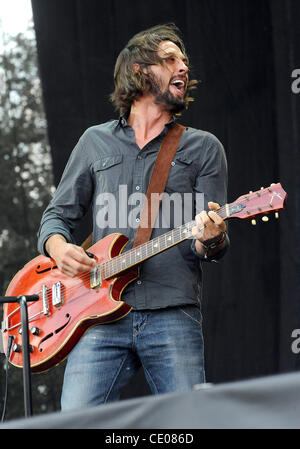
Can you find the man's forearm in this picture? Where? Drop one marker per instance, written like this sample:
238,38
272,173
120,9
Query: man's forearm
52,242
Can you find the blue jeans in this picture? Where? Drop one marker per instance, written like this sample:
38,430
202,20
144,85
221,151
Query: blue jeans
168,343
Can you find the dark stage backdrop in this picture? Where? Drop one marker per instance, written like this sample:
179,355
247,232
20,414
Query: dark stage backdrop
244,51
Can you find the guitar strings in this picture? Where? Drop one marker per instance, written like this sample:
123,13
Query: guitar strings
113,263
113,266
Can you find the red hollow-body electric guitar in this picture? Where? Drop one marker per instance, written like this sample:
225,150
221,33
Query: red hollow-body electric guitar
67,307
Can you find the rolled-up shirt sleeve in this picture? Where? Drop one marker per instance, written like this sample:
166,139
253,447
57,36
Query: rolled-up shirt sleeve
212,183
71,200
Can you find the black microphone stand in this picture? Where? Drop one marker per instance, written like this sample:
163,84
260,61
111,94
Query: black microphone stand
22,300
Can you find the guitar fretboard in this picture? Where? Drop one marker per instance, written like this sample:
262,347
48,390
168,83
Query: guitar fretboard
148,249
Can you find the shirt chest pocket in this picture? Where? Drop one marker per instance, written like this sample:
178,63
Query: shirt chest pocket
181,176
108,173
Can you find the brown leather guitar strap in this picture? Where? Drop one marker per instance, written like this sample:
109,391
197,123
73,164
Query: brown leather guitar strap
156,186
157,183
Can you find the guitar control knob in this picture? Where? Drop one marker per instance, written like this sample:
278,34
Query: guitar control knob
35,330
17,348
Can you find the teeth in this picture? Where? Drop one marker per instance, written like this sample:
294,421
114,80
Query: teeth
178,82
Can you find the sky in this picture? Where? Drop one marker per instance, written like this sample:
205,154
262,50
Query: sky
15,15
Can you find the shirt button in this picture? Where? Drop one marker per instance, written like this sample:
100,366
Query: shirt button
139,157
137,188
138,282
137,220
173,163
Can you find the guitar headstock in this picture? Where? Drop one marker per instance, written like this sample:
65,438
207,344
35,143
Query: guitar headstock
261,202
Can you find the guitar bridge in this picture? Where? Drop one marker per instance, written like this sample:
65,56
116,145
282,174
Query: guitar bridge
45,301
4,325
95,277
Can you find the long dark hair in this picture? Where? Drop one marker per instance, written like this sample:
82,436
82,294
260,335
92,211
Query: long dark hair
142,50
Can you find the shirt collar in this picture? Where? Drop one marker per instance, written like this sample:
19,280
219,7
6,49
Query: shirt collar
123,121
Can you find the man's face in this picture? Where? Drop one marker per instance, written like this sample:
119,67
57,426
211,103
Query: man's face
169,81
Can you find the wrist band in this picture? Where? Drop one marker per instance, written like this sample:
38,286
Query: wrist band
213,245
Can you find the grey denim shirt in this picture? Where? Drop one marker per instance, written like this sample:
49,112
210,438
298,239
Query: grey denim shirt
106,168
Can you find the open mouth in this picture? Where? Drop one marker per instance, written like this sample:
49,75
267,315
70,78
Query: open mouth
179,85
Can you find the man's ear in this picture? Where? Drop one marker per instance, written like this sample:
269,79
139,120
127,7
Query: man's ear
138,69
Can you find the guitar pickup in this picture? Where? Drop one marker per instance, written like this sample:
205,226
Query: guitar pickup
57,294
95,277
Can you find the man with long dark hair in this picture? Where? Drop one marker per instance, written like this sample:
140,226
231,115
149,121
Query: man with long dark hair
163,332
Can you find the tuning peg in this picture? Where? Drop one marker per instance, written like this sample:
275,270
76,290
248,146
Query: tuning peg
265,218
253,222
276,215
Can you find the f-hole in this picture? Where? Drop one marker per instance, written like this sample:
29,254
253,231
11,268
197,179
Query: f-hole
59,329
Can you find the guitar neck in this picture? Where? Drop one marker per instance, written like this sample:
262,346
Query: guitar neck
149,249
263,201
